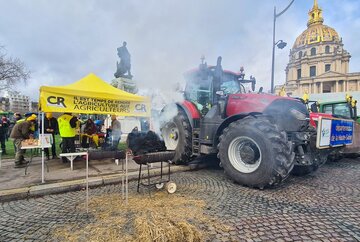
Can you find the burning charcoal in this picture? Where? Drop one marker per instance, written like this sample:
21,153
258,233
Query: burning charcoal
145,142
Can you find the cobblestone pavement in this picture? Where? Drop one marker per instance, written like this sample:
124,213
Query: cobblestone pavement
324,206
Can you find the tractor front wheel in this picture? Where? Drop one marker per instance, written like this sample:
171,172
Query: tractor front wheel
177,136
254,152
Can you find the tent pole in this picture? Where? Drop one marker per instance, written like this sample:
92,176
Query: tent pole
87,182
42,147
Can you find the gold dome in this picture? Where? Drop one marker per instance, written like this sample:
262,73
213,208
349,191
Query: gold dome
316,32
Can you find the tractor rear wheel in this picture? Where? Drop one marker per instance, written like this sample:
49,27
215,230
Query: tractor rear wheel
254,152
177,136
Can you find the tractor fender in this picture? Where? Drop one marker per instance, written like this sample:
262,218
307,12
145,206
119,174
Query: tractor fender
190,110
230,120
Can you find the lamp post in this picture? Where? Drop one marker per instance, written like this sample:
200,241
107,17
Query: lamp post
280,44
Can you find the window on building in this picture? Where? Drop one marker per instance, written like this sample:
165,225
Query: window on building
327,67
326,88
327,49
298,73
313,51
312,71
300,54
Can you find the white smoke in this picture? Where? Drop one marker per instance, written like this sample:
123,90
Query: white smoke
163,106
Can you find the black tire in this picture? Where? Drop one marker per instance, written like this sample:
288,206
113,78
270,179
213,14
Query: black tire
334,157
183,149
272,150
299,170
352,155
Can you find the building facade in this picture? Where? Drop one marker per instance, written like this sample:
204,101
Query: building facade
4,104
318,62
19,103
34,107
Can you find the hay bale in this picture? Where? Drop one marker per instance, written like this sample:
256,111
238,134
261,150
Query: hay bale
162,218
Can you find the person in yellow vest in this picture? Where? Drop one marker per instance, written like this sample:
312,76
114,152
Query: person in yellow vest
282,92
67,130
306,97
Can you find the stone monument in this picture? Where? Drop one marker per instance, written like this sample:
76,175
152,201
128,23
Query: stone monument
123,78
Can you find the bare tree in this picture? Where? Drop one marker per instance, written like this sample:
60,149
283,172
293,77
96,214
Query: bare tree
12,71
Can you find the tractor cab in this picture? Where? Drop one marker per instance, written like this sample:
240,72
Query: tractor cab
341,109
208,85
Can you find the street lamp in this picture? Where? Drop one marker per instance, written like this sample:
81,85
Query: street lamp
280,44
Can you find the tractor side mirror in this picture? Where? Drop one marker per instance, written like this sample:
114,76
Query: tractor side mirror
253,86
220,93
253,82
261,90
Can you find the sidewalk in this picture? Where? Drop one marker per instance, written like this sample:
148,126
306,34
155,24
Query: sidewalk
14,184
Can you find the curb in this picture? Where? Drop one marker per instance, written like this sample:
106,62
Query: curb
75,185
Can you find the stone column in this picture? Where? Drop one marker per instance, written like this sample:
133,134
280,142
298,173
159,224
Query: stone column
321,87
345,86
336,86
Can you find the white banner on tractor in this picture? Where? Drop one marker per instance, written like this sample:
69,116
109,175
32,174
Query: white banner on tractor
334,132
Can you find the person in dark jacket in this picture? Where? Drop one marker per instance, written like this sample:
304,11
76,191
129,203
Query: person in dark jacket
20,132
51,127
3,133
89,129
115,132
16,117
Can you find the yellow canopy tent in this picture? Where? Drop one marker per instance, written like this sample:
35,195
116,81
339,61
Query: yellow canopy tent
92,95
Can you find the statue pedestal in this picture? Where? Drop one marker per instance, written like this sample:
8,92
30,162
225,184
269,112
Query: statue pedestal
125,84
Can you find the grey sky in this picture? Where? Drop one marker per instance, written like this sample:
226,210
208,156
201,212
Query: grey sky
62,41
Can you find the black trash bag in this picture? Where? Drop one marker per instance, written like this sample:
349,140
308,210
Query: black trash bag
107,145
145,142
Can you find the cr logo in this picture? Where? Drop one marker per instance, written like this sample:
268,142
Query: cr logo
140,107
56,101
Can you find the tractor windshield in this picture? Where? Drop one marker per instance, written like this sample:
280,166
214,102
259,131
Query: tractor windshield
230,85
339,109
199,91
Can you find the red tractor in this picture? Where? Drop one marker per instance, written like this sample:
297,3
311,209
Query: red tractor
258,137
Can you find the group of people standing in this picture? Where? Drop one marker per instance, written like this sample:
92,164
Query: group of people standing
26,128
66,125
4,130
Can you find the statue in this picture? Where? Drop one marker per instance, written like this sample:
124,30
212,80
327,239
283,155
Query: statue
124,66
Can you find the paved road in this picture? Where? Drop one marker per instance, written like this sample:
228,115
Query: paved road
324,206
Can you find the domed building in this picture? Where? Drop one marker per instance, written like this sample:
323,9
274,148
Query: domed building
318,62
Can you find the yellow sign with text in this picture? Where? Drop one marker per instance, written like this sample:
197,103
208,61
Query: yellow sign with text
51,102
91,95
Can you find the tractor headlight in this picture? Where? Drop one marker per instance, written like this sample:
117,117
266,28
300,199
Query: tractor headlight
298,115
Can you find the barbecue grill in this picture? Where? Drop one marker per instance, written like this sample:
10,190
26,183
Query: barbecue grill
157,181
